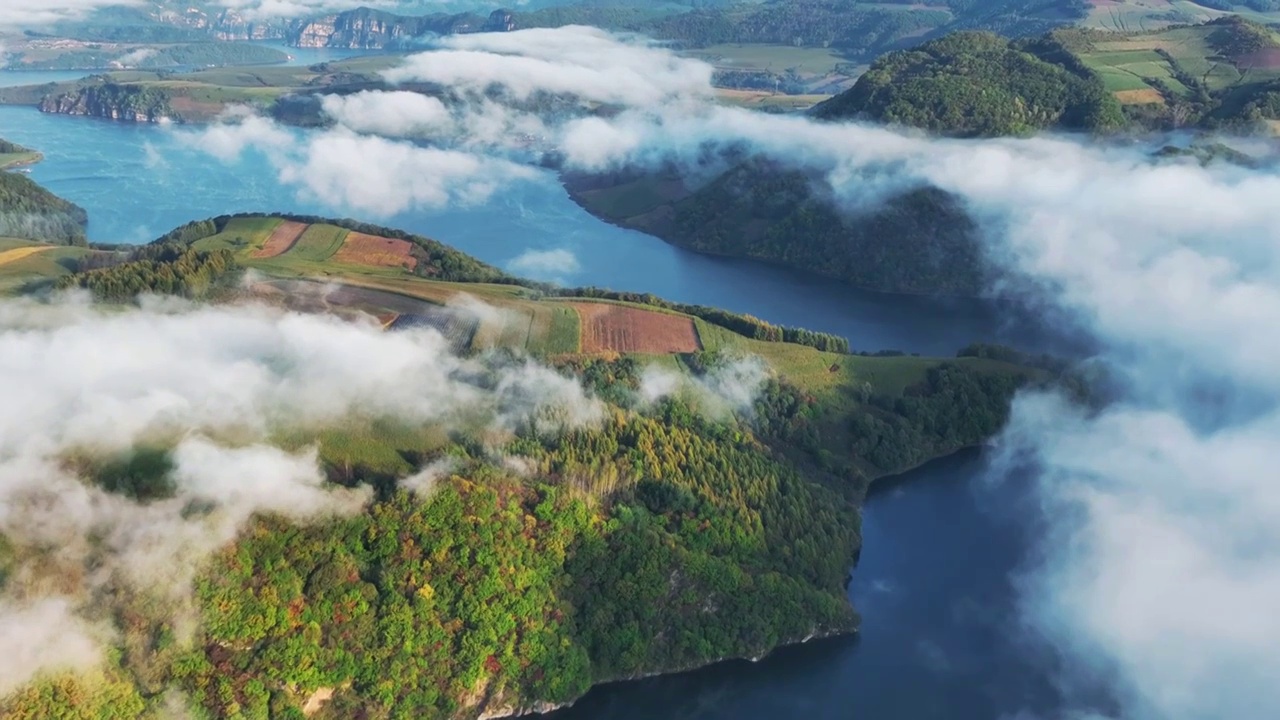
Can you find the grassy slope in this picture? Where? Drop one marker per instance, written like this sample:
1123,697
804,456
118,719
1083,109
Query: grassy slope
8,160
25,263
546,328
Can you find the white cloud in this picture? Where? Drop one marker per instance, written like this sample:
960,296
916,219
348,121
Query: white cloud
135,58
545,264
363,172
18,14
43,636
730,386
586,62
392,114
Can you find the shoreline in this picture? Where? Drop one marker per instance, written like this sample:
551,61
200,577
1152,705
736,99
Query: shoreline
884,483
23,160
540,709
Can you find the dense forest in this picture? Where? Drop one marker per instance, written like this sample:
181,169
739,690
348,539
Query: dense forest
762,210
166,268
29,211
658,539
979,84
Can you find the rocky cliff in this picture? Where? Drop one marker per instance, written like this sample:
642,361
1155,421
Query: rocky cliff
132,103
366,29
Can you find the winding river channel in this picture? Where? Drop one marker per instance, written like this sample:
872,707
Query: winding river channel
940,638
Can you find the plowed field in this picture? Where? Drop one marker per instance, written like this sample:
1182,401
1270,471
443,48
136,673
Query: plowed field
361,249
618,328
282,238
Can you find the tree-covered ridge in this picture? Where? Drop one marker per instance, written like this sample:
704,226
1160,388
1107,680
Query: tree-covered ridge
29,211
920,242
168,268
977,84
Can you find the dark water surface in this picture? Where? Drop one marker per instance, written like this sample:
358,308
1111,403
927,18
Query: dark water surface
939,639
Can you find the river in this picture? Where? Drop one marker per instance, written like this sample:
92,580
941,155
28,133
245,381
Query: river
938,638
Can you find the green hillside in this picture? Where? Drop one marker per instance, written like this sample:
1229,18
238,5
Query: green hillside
979,84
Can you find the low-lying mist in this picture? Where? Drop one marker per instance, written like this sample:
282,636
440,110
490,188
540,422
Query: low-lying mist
89,385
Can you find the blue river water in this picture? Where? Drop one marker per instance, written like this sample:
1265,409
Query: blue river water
139,181
933,584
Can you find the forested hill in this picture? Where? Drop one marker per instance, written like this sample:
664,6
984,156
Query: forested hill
980,84
920,242
29,211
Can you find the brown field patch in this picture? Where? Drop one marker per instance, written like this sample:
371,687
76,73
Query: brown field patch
282,238
1145,96
361,249
618,328
16,254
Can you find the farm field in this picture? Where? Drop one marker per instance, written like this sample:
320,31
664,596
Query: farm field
23,262
240,234
1146,15
1134,65
361,249
18,253
778,58
281,239
764,99
609,327
318,243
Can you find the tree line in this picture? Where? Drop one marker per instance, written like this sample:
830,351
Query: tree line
168,269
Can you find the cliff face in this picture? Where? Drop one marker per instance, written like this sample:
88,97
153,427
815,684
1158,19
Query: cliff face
366,29
224,25
115,102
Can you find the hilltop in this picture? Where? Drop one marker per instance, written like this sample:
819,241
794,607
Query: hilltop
666,534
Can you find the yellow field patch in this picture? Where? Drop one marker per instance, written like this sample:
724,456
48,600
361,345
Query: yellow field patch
17,254
1146,96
